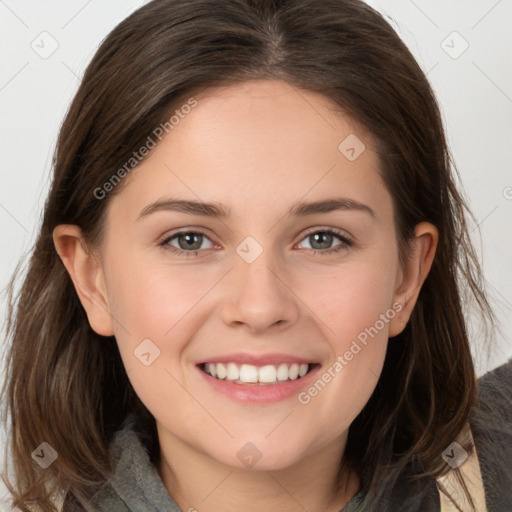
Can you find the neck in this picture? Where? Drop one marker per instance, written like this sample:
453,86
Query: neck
199,483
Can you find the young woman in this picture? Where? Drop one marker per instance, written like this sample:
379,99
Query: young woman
247,291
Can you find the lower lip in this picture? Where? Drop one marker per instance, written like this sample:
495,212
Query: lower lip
260,393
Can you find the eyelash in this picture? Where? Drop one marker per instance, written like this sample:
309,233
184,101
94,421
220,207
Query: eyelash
346,242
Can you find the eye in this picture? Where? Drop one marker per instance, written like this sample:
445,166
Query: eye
188,242
321,241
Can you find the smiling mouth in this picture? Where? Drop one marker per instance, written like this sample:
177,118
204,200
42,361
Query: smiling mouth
249,374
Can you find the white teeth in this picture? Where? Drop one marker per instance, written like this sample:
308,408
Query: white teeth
233,372
212,369
267,373
221,371
248,373
293,372
282,372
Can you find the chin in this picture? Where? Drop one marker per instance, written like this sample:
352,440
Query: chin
262,456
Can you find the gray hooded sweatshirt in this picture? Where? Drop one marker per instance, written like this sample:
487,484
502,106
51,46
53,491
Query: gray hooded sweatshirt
137,487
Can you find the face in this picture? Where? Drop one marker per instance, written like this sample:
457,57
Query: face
259,287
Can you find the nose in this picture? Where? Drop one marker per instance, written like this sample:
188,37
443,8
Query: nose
258,296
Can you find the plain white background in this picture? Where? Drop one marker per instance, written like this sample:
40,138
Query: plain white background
464,46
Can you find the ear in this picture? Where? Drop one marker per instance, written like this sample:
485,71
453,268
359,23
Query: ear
412,276
87,275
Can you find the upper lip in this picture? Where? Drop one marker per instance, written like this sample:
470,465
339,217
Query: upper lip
257,359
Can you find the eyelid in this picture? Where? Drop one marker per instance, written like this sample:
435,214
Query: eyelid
164,242
346,239
324,229
182,231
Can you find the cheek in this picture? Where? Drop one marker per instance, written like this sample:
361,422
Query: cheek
357,307
352,299
150,298
152,305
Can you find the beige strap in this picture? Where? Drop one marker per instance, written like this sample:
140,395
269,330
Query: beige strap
469,468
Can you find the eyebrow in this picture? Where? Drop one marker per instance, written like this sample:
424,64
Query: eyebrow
216,210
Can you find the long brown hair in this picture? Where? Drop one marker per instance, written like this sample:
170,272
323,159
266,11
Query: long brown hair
66,385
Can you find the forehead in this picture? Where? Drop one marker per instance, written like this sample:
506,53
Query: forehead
255,145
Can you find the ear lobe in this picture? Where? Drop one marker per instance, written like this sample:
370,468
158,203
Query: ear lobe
410,279
87,275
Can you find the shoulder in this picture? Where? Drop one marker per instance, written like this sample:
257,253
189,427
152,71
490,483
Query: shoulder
491,426
135,483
